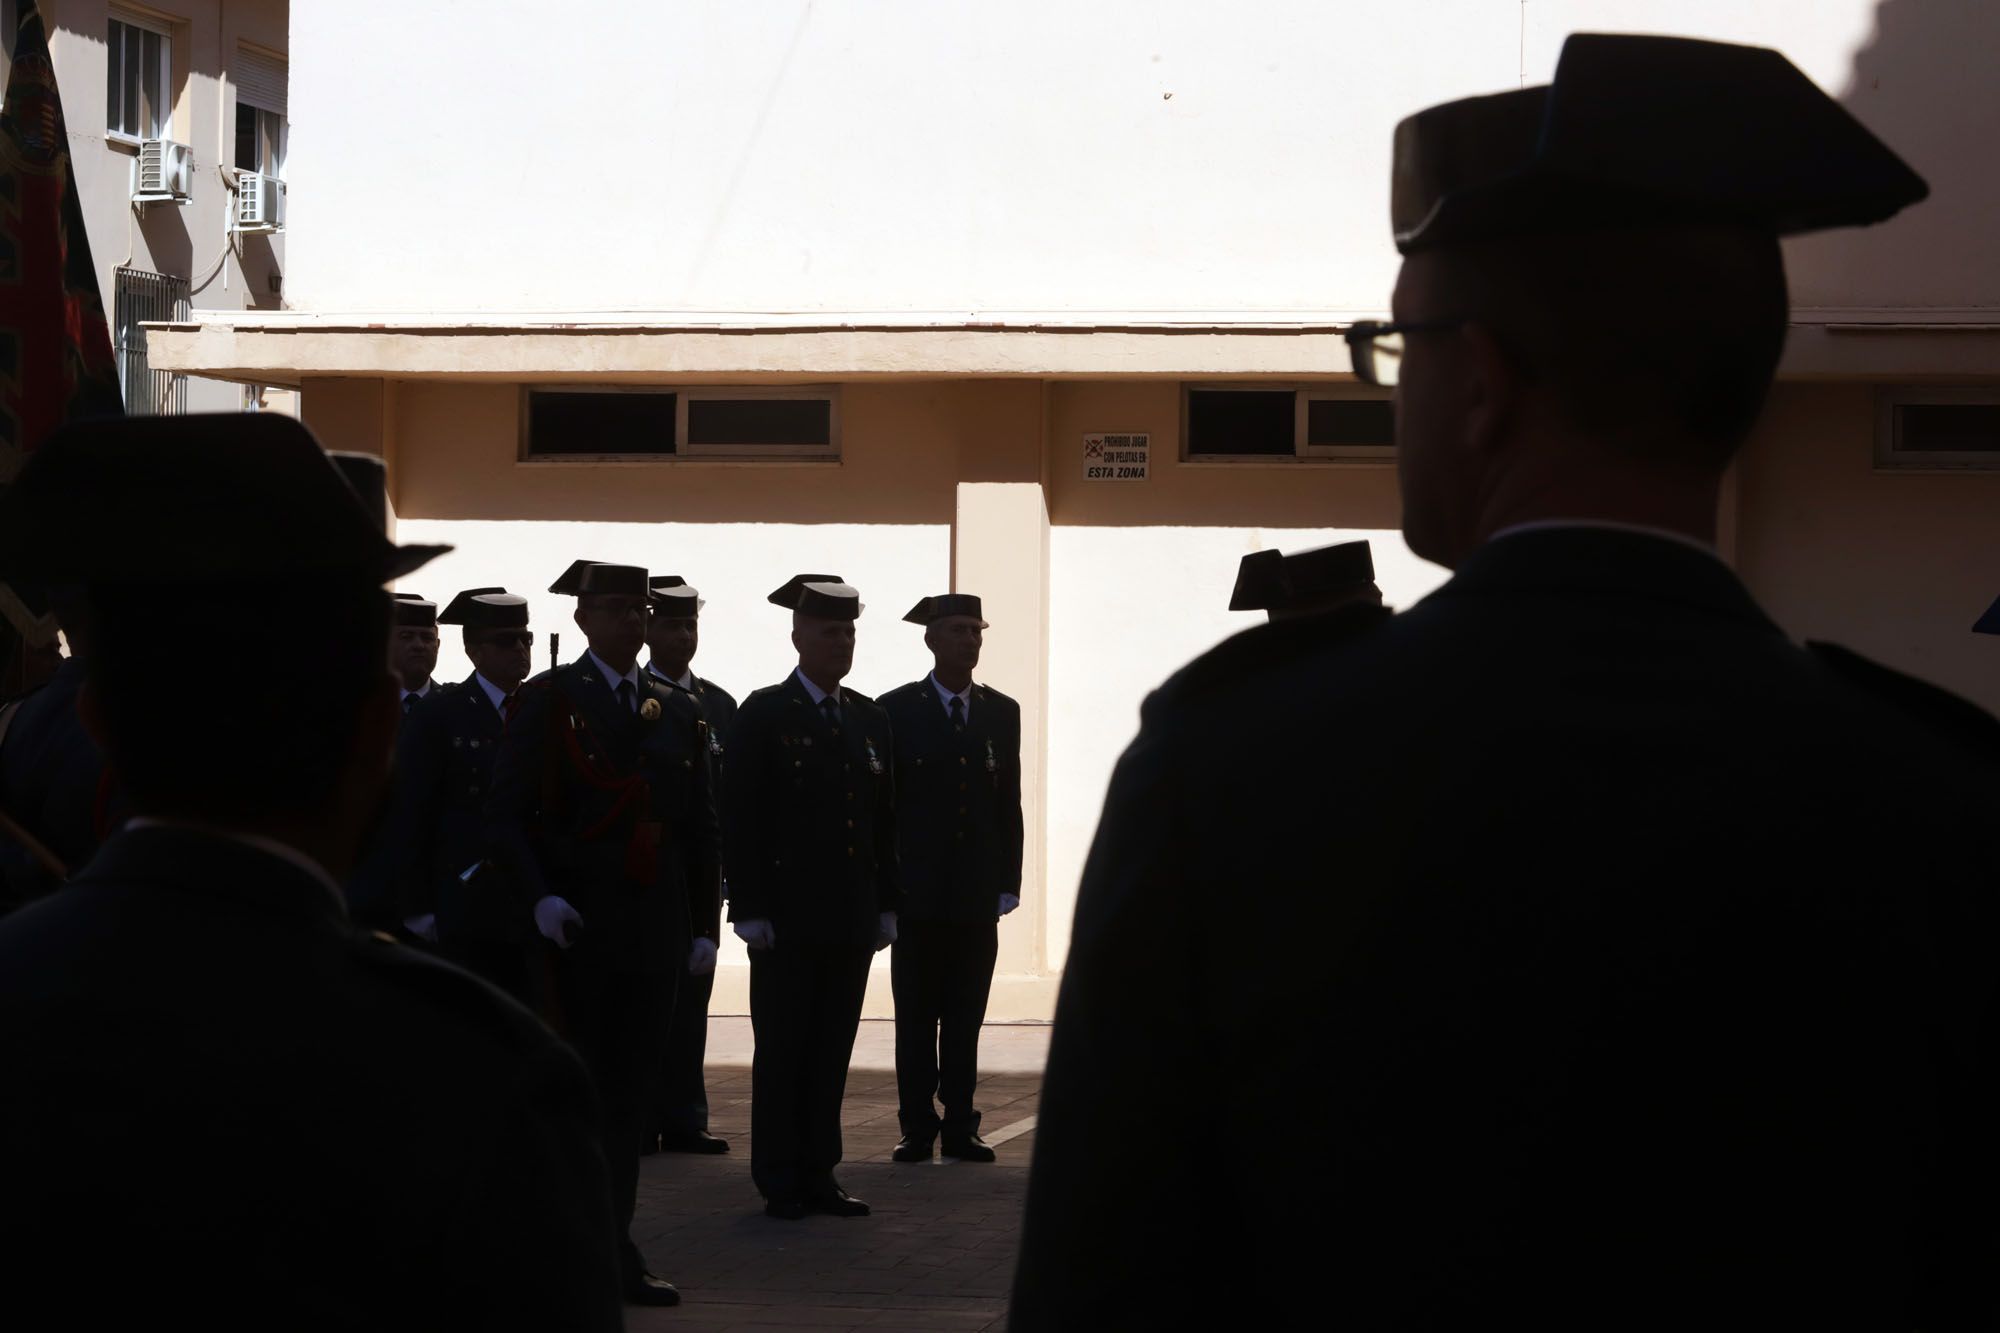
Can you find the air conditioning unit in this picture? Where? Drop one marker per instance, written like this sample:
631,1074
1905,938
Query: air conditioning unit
260,203
164,172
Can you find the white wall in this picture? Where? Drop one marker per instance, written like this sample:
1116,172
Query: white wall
1128,606
905,155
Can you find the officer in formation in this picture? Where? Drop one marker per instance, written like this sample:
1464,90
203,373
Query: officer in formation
810,839
413,647
602,810
446,889
672,636
1619,962
959,837
338,1132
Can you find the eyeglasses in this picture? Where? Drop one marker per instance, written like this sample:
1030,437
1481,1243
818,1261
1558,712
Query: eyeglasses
1376,348
509,638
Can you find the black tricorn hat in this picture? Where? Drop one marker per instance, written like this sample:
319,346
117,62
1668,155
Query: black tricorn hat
612,580
672,599
946,604
824,598
1274,581
413,609
191,499
1990,622
571,579
486,608
1643,131
788,596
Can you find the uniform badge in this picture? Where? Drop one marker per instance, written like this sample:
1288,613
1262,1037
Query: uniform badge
650,710
992,763
874,760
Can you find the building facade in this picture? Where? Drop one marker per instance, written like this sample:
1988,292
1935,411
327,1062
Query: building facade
1040,302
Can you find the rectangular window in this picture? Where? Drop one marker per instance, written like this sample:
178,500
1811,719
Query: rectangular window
140,297
1240,423
1938,430
261,92
744,424
138,72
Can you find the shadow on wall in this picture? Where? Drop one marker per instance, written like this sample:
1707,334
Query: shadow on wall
1925,84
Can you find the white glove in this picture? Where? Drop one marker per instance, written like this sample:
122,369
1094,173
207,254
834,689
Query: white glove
551,914
885,934
757,933
701,959
1008,902
424,926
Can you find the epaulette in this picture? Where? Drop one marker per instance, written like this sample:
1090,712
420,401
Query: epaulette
450,989
1955,719
857,696
1269,644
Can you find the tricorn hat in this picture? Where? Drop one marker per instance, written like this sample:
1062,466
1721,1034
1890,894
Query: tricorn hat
1643,131
818,595
486,608
191,499
1990,622
788,596
1274,581
570,581
369,476
946,604
413,610
612,580
673,599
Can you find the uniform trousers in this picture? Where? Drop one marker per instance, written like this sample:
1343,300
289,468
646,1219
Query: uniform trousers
617,1022
683,1101
805,1003
941,972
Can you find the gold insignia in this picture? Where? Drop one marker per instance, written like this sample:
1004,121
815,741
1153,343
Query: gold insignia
650,710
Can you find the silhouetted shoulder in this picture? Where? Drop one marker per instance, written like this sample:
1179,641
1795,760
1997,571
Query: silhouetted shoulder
856,696
986,694
904,694
760,700
1236,659
452,994
1956,720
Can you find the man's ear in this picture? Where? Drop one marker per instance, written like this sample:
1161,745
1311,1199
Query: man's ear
1493,390
577,615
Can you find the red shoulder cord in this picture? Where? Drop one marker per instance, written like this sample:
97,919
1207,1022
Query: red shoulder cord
642,845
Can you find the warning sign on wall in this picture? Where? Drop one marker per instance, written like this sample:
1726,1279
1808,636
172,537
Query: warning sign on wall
1116,457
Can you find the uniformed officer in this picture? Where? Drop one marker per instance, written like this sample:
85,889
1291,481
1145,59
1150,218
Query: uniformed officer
958,839
413,647
1615,961
810,840
602,809
1313,599
448,891
337,1132
672,634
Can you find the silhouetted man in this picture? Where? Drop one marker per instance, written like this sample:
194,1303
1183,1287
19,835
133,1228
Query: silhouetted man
333,1132
1619,963
673,633
601,808
958,842
810,838
413,647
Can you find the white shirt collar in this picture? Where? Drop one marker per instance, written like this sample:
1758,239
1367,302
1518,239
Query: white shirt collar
945,696
1638,529
269,846
611,678
814,692
421,692
493,692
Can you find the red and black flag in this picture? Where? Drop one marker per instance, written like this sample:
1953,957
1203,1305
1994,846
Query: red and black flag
55,348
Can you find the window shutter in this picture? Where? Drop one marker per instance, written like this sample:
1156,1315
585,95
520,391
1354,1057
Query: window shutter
260,80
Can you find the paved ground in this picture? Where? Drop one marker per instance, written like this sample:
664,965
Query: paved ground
937,1254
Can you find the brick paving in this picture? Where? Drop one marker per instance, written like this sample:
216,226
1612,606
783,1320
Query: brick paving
938,1253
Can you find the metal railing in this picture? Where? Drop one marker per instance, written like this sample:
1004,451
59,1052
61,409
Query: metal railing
140,297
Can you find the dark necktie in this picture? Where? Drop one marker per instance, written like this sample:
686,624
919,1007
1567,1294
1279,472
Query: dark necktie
830,710
957,713
509,705
625,695
410,700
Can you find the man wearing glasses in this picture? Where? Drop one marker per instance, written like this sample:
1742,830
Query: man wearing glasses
444,772
1622,962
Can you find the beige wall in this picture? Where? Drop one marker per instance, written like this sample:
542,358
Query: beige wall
1896,565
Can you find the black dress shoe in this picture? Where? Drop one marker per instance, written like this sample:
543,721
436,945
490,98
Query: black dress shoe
971,1148
788,1210
912,1150
838,1203
644,1289
699,1140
